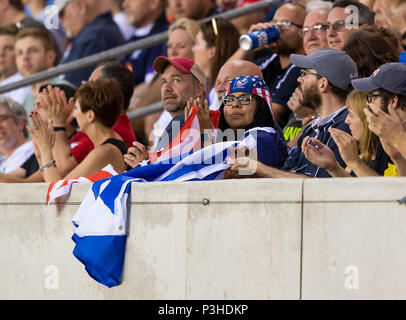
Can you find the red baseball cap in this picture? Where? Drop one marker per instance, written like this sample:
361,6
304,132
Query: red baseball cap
183,65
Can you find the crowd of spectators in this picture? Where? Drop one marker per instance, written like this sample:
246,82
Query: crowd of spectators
326,99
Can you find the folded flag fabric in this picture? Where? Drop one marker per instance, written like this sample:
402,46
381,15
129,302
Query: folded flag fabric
101,219
188,137
62,187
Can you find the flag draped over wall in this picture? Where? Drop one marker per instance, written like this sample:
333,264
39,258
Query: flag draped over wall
101,219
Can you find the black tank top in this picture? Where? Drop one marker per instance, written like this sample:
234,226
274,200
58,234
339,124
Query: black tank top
121,145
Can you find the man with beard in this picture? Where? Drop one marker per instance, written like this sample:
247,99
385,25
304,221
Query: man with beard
181,79
325,81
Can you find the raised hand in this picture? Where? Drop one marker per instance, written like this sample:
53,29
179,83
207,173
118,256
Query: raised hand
58,109
136,154
319,154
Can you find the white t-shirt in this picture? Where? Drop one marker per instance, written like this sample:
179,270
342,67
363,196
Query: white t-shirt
16,160
126,29
18,95
160,126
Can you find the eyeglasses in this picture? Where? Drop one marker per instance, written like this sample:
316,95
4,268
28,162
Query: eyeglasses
337,26
303,72
244,99
370,96
317,28
4,117
285,24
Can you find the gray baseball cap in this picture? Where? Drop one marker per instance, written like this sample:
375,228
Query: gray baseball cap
335,65
389,76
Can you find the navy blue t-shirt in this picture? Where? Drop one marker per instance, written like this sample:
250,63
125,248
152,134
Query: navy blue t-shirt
99,35
140,61
297,162
271,147
281,82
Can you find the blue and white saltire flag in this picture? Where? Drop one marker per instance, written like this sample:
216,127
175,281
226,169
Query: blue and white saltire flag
101,219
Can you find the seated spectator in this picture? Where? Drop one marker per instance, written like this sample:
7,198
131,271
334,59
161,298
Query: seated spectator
15,147
314,35
314,31
216,42
229,71
124,79
91,28
34,53
39,11
325,81
71,146
370,47
279,74
148,18
243,108
342,21
8,67
391,14
97,106
12,12
244,113
181,80
119,17
386,112
181,39
361,151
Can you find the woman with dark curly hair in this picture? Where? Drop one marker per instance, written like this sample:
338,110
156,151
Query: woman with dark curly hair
370,47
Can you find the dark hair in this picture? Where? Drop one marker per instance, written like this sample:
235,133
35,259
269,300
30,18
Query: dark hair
370,47
387,95
17,4
338,92
67,89
366,16
69,93
122,76
225,40
104,97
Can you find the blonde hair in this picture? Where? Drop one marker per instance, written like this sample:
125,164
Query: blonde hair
357,101
191,27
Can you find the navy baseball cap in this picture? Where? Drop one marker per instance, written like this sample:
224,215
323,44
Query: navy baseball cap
335,65
389,76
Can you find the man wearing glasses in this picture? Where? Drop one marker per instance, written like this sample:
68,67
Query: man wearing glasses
325,81
279,74
314,35
345,16
386,106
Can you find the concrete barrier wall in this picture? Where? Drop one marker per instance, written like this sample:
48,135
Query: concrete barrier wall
255,239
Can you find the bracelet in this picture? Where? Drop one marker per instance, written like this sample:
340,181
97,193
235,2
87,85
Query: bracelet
59,129
47,165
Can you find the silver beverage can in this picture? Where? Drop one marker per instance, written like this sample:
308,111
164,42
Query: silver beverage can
259,38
